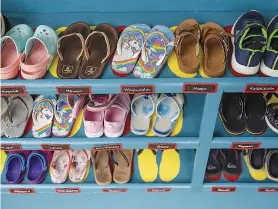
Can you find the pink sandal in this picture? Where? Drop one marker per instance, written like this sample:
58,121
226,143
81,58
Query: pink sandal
40,50
13,44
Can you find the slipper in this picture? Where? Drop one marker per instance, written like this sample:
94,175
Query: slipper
254,113
231,164
168,109
115,116
271,116
169,167
99,46
157,47
255,161
15,166
5,24
231,112
187,44
65,113
60,166
147,165
102,170
19,112
123,160
80,165
4,113
40,50
213,169
13,44
37,164
271,165
216,46
129,48
70,48
142,109
42,115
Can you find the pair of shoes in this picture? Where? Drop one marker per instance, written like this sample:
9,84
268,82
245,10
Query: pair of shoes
142,50
15,114
271,116
5,24
262,164
31,52
74,164
36,163
167,109
56,117
117,163
215,44
168,169
239,112
226,161
84,53
106,114
254,46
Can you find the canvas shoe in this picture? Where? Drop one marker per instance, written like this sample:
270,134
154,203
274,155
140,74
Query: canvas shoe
249,43
271,116
269,65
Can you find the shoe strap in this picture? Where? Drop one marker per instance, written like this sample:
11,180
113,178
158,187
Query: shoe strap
33,68
123,155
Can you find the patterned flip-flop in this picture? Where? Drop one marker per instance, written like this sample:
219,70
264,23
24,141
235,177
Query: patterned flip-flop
158,46
43,114
129,48
66,111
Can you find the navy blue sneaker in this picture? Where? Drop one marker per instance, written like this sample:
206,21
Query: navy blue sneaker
249,43
269,65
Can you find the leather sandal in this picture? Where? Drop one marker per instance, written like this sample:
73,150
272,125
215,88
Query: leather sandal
99,46
70,48
216,47
187,38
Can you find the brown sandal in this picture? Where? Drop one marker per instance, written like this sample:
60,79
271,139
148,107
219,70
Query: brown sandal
122,170
70,49
101,164
99,46
187,40
216,47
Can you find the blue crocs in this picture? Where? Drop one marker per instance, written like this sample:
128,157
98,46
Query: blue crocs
269,65
249,43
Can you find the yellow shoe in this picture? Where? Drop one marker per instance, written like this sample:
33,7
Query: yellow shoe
170,165
254,160
3,158
148,167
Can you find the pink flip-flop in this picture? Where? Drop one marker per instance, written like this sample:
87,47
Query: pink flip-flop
40,50
13,44
115,116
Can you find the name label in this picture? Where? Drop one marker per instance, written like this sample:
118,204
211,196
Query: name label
74,90
261,88
245,145
10,147
22,191
200,88
268,189
12,90
223,189
108,147
67,190
159,189
142,89
115,190
162,146
55,147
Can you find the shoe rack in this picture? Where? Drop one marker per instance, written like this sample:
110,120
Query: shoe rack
201,131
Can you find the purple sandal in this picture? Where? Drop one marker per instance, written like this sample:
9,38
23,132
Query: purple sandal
15,167
37,164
